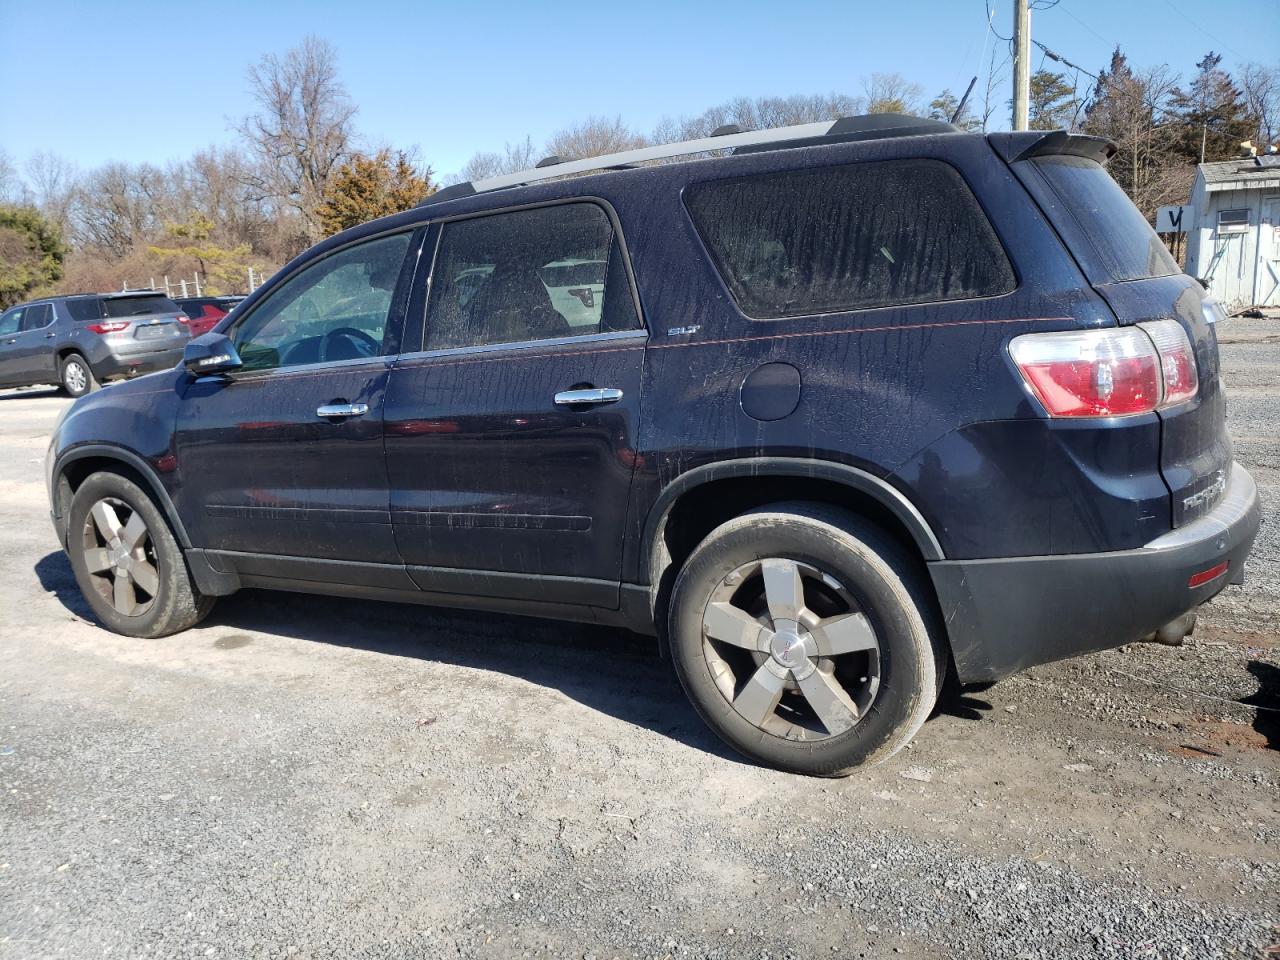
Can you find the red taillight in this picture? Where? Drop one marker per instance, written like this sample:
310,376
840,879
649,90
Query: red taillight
1204,576
107,326
183,319
1108,373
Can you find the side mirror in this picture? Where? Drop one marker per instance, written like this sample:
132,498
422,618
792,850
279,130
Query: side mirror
210,353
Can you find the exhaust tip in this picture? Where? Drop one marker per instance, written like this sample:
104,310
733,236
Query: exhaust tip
1175,631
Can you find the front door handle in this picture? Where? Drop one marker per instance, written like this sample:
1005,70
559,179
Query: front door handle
591,396
342,410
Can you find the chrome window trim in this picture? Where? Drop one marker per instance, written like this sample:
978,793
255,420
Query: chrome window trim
520,346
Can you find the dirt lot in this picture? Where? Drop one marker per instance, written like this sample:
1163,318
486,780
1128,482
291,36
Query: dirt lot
314,778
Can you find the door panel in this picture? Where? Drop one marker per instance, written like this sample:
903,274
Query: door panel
262,473
500,487
10,330
487,472
284,457
31,356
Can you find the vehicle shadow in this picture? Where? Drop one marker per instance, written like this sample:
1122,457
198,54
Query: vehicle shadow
41,393
606,669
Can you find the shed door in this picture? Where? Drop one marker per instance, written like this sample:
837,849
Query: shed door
1269,254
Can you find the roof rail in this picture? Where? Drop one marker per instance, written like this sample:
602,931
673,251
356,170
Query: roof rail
870,127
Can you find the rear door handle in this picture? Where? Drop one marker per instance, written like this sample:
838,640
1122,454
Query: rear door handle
342,410
591,396
50,336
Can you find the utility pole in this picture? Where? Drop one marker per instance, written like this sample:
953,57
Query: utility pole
1021,62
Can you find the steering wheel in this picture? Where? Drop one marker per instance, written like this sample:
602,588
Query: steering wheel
358,337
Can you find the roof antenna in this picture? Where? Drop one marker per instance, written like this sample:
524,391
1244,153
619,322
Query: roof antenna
963,101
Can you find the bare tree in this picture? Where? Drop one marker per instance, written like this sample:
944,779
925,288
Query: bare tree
53,185
512,158
12,189
304,129
759,113
892,93
1261,86
594,137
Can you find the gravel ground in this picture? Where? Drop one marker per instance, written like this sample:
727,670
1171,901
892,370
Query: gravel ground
309,777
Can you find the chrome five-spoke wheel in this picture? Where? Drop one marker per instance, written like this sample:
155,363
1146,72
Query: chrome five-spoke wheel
119,557
789,649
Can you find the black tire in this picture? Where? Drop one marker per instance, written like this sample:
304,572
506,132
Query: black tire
165,599
76,376
888,588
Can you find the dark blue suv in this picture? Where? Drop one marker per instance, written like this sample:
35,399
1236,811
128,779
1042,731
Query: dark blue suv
832,410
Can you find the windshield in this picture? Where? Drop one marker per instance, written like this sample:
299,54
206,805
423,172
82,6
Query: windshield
138,306
1110,238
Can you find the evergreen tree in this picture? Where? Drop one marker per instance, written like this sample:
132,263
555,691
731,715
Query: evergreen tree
367,187
1213,118
1053,103
31,254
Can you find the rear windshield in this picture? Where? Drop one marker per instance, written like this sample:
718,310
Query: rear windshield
84,309
1110,238
138,306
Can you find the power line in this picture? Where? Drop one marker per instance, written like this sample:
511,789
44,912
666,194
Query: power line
990,21
1202,29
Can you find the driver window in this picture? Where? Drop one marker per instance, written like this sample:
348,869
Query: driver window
10,322
335,309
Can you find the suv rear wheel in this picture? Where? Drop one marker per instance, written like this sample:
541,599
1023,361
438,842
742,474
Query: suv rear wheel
127,562
801,634
76,375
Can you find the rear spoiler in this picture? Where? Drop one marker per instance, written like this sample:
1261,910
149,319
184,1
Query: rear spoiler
1026,144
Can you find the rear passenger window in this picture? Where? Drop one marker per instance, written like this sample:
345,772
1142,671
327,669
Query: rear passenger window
849,238
84,309
535,274
37,317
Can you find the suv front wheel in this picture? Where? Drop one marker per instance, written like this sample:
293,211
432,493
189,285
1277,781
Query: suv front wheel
77,376
801,633
127,562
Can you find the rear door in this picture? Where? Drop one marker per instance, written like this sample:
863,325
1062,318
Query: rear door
1129,265
283,459
511,435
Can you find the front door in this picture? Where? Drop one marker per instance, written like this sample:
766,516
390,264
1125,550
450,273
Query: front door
10,363
283,458
30,355
511,436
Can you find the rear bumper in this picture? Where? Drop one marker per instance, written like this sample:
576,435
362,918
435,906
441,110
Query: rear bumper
130,365
1005,615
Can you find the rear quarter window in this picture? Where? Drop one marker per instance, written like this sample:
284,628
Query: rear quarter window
849,237
84,309
1103,229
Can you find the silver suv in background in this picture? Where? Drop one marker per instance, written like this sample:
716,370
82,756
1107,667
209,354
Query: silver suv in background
79,342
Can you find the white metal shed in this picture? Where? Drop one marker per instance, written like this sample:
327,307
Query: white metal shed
1235,241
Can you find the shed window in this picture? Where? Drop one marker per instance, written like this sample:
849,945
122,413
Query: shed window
1233,221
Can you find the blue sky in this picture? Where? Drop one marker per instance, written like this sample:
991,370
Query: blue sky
154,81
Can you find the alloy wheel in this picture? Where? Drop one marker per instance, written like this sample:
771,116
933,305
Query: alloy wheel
74,377
790,650
120,557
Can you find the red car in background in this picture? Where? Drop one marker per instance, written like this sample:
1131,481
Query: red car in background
203,313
